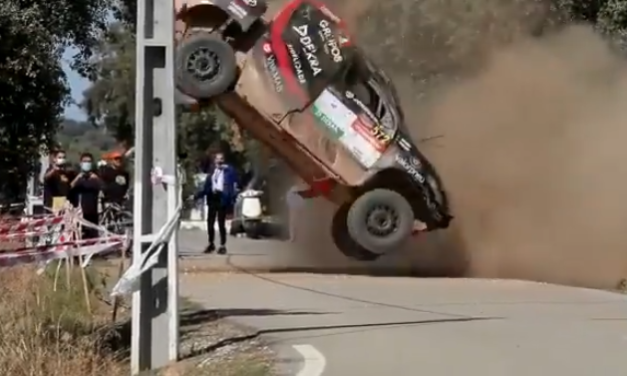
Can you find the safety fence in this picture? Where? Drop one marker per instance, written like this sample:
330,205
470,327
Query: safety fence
47,237
41,239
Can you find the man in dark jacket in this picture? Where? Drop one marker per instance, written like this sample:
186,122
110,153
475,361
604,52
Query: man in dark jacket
87,186
219,191
115,180
57,182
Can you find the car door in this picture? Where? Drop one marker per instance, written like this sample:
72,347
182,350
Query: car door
310,51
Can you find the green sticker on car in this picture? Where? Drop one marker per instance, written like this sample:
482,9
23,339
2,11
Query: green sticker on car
332,113
335,130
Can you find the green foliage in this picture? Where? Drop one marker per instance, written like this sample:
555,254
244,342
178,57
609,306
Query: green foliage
80,137
32,93
33,87
110,100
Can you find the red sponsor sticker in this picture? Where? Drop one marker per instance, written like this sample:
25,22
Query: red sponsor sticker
364,127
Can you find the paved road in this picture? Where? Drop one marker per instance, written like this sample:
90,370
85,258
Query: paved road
373,326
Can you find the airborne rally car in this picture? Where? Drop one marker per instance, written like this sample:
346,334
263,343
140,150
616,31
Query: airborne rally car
299,84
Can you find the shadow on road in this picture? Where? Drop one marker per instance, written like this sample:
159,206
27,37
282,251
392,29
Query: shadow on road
357,327
118,339
360,328
208,315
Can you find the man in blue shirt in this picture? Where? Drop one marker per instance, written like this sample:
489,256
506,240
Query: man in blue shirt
219,192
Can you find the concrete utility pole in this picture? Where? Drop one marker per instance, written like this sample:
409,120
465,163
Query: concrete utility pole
155,325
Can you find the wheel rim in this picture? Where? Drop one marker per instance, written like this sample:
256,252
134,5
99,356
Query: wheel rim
382,220
203,64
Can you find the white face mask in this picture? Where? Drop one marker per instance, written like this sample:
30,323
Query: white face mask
60,161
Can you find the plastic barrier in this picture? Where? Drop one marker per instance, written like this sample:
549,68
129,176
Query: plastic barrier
42,239
129,282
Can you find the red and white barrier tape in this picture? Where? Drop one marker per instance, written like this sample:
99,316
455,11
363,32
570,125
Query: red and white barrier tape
58,237
11,228
44,256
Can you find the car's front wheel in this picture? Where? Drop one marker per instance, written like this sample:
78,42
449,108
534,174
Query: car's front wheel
380,220
344,241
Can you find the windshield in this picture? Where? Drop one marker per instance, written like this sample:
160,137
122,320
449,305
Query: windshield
312,48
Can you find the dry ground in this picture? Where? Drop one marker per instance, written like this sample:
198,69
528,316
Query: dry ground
48,333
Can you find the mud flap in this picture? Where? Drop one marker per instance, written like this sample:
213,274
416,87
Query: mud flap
318,188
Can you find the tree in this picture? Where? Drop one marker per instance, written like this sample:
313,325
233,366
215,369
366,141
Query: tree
32,83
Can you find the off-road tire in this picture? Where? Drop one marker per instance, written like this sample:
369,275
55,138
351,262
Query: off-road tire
223,56
356,220
344,242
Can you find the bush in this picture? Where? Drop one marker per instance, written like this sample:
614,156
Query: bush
48,333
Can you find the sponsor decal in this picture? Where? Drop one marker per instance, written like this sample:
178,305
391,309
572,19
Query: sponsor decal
273,70
325,120
366,129
298,66
372,129
333,113
411,170
331,43
308,48
341,120
267,48
250,3
404,144
238,10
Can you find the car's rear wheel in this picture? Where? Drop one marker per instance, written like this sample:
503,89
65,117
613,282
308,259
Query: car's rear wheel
205,66
343,240
380,220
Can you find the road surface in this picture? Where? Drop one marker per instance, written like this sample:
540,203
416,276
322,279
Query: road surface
372,326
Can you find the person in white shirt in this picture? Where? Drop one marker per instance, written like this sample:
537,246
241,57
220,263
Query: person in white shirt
219,192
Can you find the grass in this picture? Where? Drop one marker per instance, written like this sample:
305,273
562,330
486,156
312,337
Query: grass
44,332
48,333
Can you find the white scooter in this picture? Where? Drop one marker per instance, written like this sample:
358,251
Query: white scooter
248,216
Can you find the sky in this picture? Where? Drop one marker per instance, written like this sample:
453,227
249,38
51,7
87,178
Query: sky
77,84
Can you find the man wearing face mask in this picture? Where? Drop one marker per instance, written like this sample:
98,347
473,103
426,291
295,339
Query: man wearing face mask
57,182
115,180
87,186
219,192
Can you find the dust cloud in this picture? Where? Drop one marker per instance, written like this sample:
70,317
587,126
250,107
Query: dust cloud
532,154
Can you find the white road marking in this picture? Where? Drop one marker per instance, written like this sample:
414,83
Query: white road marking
313,360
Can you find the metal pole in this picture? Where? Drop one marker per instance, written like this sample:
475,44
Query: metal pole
155,305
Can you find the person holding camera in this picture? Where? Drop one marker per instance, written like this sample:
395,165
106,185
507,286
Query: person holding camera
57,182
87,186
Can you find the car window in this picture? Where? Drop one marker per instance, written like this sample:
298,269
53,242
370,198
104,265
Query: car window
317,47
367,93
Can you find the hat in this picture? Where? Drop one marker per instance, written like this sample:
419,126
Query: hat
113,155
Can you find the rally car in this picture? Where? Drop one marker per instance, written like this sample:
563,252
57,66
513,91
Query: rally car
298,83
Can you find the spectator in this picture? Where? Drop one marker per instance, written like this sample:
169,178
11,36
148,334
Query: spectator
57,182
87,186
115,179
219,191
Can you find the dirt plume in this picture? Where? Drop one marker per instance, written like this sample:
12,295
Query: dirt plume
532,157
